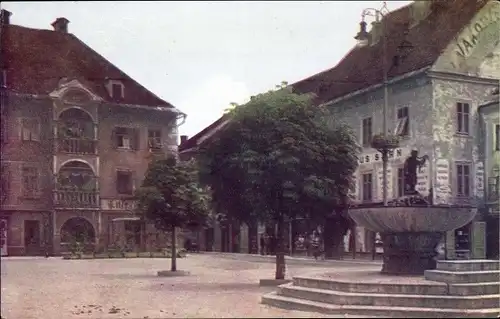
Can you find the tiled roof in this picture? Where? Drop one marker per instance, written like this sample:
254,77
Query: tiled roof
36,60
412,47
193,141
409,48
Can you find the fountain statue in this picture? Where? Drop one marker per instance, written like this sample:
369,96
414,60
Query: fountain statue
411,226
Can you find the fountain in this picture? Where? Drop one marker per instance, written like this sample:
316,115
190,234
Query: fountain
412,283
411,226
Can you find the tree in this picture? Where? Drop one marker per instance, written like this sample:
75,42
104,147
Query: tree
171,197
281,157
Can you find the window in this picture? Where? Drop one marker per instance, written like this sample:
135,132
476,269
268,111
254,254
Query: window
117,91
463,180
124,182
30,129
367,131
154,140
403,125
125,138
367,185
463,110
401,182
30,182
497,137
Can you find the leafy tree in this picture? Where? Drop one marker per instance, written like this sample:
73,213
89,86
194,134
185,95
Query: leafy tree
281,157
171,197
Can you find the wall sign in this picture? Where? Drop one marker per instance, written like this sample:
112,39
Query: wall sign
479,180
376,157
118,204
423,180
442,189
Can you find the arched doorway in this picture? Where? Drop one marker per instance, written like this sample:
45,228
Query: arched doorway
77,229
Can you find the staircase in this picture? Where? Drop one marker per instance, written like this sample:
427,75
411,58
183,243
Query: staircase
456,289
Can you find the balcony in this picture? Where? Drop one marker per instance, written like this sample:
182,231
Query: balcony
76,186
76,199
76,146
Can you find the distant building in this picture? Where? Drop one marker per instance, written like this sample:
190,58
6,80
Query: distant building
76,136
443,62
489,128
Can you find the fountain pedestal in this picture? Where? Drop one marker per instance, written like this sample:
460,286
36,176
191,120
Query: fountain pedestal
409,253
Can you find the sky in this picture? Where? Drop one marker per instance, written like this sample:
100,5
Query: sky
202,55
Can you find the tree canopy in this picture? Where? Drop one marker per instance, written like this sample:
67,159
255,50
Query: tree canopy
280,157
171,196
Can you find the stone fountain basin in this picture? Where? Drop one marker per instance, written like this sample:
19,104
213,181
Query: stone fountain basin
399,219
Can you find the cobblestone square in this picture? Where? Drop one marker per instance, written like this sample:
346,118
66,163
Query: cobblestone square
129,288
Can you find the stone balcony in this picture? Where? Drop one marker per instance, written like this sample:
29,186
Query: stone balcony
76,146
76,199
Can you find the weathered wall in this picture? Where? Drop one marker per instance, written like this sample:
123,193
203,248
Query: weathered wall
414,93
475,51
111,158
451,147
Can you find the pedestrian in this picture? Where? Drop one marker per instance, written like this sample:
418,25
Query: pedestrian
262,244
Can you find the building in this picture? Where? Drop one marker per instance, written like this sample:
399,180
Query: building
76,136
442,62
489,120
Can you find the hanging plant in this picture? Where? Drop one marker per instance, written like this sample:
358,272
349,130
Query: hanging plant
385,141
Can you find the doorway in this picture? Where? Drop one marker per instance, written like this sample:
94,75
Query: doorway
32,237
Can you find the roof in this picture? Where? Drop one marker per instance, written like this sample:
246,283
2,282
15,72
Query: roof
36,60
413,47
212,128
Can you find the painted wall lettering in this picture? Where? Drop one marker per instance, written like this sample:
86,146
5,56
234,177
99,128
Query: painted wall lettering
468,40
442,189
479,180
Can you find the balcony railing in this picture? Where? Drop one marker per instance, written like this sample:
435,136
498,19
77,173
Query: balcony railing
76,198
76,146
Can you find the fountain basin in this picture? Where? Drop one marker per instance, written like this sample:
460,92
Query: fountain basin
400,219
410,234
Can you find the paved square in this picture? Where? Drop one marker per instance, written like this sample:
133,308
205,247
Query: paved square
129,288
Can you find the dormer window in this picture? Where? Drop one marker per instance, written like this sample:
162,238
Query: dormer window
116,89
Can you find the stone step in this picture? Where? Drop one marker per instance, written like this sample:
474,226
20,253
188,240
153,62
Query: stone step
418,287
387,300
273,299
468,265
463,276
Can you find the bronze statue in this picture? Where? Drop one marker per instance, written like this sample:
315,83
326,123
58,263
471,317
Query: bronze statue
410,171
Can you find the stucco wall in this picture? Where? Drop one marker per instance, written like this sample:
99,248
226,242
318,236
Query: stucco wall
416,94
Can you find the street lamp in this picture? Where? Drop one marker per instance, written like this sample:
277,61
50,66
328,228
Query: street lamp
364,38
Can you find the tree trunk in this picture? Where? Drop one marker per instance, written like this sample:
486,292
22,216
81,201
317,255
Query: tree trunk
173,267
280,254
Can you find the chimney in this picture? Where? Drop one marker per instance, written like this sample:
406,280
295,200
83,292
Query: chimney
5,16
184,138
419,10
61,25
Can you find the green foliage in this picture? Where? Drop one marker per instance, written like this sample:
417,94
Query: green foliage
171,195
280,156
